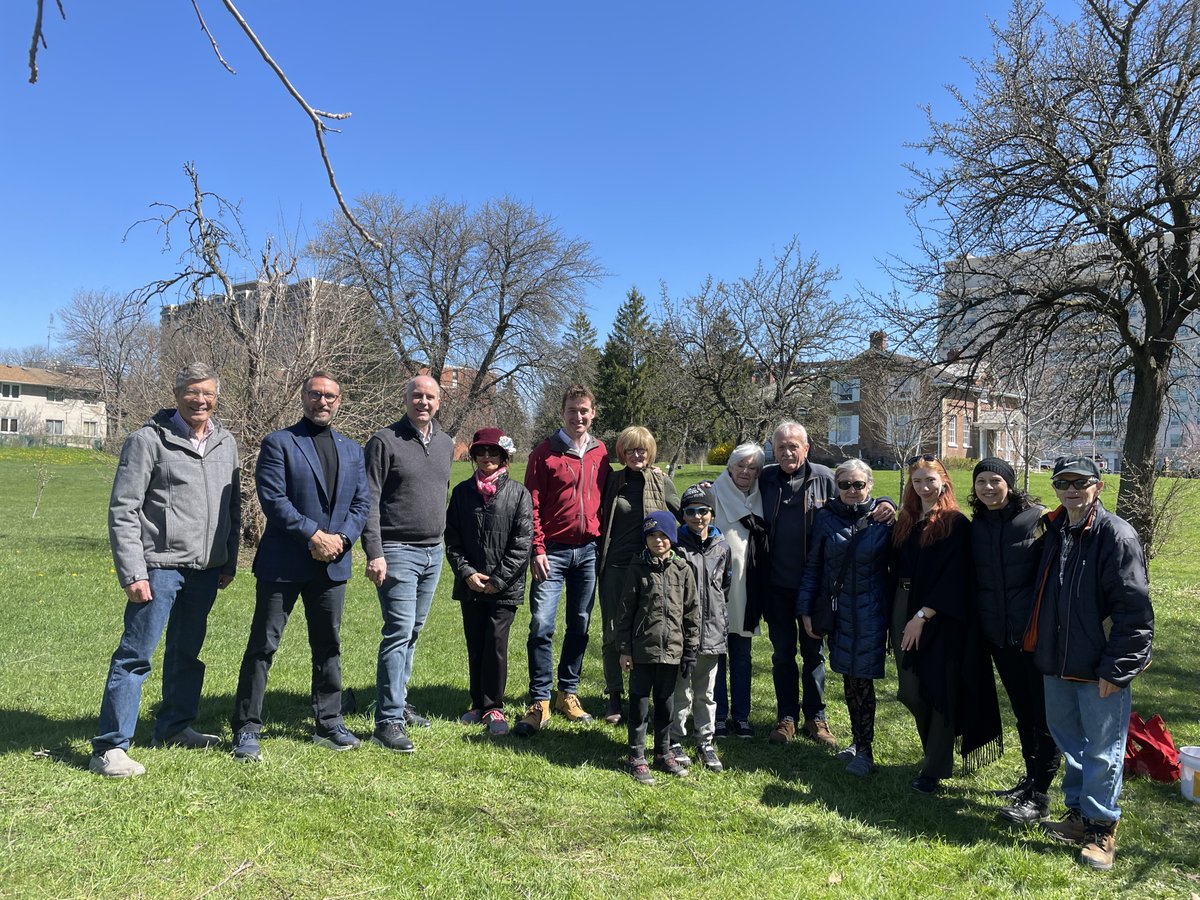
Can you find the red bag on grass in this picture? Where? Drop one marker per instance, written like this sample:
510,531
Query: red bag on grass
1149,750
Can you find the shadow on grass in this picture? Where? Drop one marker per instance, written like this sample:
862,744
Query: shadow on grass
55,544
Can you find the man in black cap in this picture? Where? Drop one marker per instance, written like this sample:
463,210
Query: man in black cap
1090,632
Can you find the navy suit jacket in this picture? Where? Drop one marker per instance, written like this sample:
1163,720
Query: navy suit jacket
295,499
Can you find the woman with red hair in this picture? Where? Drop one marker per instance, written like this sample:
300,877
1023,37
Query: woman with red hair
933,628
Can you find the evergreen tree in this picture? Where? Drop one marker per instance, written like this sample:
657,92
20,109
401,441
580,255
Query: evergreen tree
626,368
577,361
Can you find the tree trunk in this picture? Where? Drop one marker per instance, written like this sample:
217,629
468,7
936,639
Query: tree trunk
1135,499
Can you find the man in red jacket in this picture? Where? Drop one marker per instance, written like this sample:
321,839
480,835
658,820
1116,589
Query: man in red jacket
565,477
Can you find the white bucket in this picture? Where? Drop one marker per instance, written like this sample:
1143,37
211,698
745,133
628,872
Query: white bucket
1189,764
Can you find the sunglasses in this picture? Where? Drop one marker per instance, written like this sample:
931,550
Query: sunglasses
851,485
697,510
1062,484
924,457
489,451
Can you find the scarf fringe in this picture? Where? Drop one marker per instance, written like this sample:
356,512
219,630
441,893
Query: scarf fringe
981,756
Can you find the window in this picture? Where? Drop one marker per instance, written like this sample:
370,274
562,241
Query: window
952,431
908,389
9,426
91,429
846,391
844,430
902,431
966,431
10,391
56,395
54,426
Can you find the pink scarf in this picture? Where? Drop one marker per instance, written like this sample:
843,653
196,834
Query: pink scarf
487,486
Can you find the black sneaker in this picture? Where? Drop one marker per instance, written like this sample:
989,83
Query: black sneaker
337,739
925,784
638,770
680,755
1017,791
1033,807
721,728
668,764
742,729
414,719
246,748
709,758
393,736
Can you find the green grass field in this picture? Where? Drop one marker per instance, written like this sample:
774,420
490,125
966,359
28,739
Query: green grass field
464,816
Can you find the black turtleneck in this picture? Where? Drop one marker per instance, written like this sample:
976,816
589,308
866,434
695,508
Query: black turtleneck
326,452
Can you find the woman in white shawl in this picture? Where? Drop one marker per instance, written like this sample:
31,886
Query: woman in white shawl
737,501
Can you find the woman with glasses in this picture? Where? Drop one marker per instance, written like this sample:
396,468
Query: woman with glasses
738,515
630,494
1007,535
843,596
945,679
489,536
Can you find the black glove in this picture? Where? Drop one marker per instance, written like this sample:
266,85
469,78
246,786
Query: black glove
687,667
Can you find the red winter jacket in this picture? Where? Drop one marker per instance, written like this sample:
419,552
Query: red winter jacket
566,492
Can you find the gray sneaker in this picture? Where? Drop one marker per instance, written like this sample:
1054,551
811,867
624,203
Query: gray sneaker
115,763
246,748
680,755
709,758
189,738
338,738
862,765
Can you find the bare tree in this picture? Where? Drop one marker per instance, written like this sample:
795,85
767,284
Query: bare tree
485,291
1065,200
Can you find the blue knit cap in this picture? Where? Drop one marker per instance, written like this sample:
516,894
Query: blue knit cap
661,521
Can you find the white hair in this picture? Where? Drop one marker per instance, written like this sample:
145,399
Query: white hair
854,465
789,425
750,449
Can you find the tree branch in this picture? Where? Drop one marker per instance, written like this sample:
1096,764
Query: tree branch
212,40
39,37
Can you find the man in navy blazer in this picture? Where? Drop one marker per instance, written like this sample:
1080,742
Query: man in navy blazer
312,485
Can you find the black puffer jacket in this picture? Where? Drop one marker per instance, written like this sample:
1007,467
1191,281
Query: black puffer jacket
858,642
710,562
659,619
494,539
1099,623
1007,544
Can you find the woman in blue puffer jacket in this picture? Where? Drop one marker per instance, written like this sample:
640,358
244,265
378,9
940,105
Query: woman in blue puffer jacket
843,596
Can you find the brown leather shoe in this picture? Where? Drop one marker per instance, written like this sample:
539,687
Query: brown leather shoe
783,732
569,706
818,730
1069,829
536,715
1100,845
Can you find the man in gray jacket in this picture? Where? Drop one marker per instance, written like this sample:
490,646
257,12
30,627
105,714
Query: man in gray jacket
173,523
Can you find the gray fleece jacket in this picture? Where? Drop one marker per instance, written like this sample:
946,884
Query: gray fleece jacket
172,508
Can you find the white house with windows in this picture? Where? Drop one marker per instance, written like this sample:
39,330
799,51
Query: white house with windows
42,404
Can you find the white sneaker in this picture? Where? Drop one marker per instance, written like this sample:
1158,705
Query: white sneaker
190,738
115,763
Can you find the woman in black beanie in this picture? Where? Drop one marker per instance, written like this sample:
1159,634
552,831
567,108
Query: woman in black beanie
1007,536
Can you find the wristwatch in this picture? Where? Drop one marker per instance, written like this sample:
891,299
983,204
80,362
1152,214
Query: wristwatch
921,613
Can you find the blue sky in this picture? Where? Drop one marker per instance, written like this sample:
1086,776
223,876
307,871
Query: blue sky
679,139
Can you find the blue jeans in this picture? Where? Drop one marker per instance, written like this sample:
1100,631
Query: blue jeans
404,597
737,662
574,566
182,600
1091,734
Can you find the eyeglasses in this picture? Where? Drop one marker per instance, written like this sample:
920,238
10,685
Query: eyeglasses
1062,484
314,396
924,457
851,485
489,451
192,394
637,451
697,510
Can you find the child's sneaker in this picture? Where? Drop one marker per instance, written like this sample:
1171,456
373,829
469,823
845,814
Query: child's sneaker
638,770
668,764
709,758
680,756
497,725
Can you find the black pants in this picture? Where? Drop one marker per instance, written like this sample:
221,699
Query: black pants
273,603
787,637
486,626
860,702
935,728
1026,692
658,679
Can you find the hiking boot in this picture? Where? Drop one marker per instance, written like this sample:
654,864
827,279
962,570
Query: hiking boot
680,755
392,736
638,770
414,719
1100,846
1017,791
115,763
742,729
189,738
497,725
569,706
1033,807
537,714
1069,829
471,717
846,753
709,758
668,764
925,784
338,739
862,765
818,730
721,728
784,731
246,748
614,713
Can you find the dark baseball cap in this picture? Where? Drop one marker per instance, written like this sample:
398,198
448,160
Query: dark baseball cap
1076,465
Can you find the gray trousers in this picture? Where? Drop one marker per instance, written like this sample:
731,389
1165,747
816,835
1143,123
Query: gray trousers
695,696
